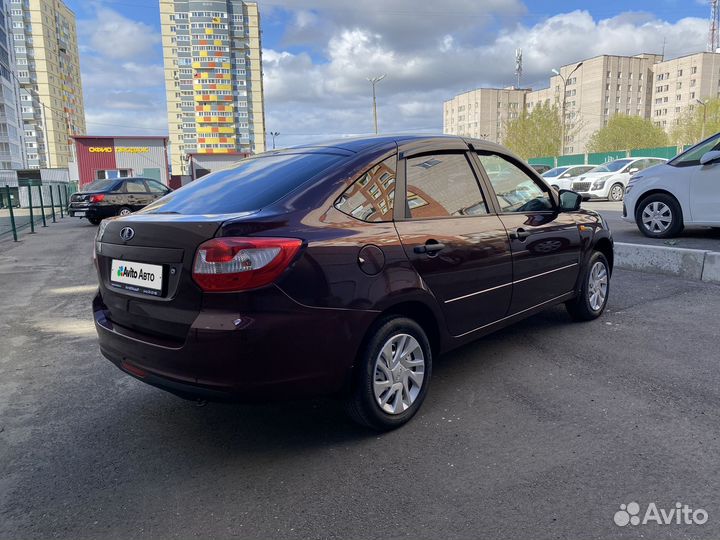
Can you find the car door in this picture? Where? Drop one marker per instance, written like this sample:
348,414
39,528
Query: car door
138,195
705,193
457,245
545,243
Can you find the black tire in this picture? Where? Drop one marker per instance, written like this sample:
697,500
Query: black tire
676,225
580,308
361,403
94,220
620,196
126,211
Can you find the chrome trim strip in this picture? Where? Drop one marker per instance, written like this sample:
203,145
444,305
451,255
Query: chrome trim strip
478,292
514,314
511,283
546,273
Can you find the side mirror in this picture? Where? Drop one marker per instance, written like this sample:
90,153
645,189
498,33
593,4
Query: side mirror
710,157
633,170
569,201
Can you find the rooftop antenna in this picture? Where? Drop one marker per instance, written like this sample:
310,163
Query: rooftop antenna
713,38
518,65
663,48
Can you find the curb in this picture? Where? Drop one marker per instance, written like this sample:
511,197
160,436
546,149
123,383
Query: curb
695,264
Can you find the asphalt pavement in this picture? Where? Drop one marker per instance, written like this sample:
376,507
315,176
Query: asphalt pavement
542,430
623,231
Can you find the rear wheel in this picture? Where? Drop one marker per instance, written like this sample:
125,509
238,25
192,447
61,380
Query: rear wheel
392,375
124,211
617,192
659,216
592,298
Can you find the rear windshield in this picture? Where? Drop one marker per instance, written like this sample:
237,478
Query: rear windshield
251,185
101,185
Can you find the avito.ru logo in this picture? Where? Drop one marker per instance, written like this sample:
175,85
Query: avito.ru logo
682,514
130,272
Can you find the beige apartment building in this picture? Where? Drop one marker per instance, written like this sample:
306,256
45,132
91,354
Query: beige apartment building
48,72
679,83
599,88
482,113
213,78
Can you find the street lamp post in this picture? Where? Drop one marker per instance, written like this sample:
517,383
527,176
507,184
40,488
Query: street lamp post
274,134
374,81
564,97
702,129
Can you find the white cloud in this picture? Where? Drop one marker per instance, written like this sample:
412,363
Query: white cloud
122,75
308,100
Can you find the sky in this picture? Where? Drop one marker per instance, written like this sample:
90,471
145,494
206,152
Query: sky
318,54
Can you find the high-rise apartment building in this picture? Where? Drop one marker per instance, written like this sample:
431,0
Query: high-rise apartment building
11,156
213,78
483,113
601,87
48,71
679,83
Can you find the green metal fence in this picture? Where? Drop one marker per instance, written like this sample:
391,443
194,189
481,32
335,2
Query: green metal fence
27,209
598,158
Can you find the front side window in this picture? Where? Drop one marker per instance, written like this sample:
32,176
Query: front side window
370,197
692,156
442,185
515,190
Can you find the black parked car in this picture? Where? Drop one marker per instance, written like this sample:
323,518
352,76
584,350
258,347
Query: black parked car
115,197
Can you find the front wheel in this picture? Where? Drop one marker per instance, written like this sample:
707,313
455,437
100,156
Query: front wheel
592,298
392,375
659,216
617,192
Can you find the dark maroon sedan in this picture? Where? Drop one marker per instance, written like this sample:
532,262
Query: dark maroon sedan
341,269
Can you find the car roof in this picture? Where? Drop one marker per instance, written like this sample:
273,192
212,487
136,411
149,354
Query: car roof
362,143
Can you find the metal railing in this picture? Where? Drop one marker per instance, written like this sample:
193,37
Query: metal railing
27,208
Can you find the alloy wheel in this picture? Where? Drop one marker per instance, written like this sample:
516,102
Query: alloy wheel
597,286
657,217
616,192
125,212
399,373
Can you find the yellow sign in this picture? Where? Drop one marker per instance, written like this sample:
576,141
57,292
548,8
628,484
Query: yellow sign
119,149
132,149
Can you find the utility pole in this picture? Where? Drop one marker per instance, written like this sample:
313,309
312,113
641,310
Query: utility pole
702,129
274,134
564,97
374,81
714,32
518,67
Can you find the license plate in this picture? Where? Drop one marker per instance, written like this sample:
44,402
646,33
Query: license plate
137,277
79,214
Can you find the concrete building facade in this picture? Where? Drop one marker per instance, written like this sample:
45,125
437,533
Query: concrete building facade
601,87
48,61
483,113
213,77
11,141
679,83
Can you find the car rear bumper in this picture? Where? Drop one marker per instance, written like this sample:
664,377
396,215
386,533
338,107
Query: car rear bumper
90,211
266,356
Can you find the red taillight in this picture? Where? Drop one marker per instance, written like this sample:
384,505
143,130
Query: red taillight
237,264
133,369
97,198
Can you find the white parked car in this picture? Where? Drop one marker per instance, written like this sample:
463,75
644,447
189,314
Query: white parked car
562,177
684,191
608,181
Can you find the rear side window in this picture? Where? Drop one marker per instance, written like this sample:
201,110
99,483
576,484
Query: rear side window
251,185
371,197
135,185
442,185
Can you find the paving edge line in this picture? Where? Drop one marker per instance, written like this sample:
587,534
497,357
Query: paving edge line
696,264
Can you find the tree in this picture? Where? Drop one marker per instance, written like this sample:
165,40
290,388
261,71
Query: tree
625,132
534,134
689,129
